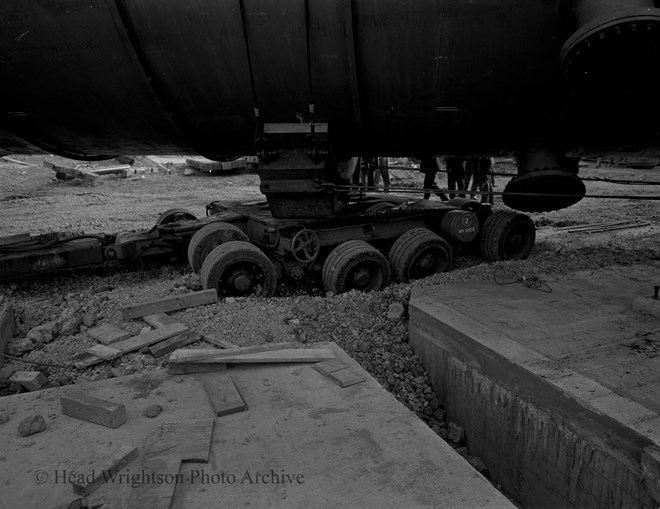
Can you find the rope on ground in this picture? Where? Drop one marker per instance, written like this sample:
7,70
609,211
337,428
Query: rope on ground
36,362
532,281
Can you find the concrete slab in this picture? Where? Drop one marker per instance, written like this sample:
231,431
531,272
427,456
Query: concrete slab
351,447
576,371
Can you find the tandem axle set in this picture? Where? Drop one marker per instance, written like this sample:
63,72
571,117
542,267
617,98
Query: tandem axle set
241,249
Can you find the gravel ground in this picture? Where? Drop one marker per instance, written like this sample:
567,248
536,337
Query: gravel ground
69,303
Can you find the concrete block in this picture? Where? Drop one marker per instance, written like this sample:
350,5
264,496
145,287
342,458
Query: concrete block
31,380
88,408
651,470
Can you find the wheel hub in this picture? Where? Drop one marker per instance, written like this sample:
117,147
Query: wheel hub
240,281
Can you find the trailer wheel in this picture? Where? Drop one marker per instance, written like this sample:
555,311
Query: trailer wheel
378,207
173,215
238,268
464,204
208,238
419,253
355,265
507,235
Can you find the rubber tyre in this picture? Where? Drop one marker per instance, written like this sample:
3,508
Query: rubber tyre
378,207
345,259
169,216
237,256
208,238
413,247
465,204
507,235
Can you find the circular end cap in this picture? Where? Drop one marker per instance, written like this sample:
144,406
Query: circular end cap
560,189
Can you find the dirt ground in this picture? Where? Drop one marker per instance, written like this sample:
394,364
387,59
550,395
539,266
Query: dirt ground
32,200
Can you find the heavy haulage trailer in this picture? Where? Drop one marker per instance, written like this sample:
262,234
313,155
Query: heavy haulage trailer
241,249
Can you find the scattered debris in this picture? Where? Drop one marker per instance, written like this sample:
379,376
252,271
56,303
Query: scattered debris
152,411
170,304
31,425
69,173
87,408
143,340
224,396
104,472
31,380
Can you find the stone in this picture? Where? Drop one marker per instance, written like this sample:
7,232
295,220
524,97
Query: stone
455,433
69,322
477,464
434,404
31,425
89,319
153,411
395,312
6,372
4,415
439,414
41,334
22,346
230,300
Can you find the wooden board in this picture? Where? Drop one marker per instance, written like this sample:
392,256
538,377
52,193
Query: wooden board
104,352
159,320
107,334
109,170
339,372
89,408
224,396
176,442
213,354
149,338
219,342
103,472
185,368
169,304
179,341
7,326
286,355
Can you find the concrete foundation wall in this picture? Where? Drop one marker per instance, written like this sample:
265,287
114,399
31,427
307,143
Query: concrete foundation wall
543,446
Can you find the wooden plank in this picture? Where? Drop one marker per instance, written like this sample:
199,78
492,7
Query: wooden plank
173,303
339,372
85,360
179,341
106,470
15,161
159,320
7,326
286,355
224,396
184,368
219,342
327,367
176,442
149,338
104,352
213,354
347,377
107,334
109,170
89,408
